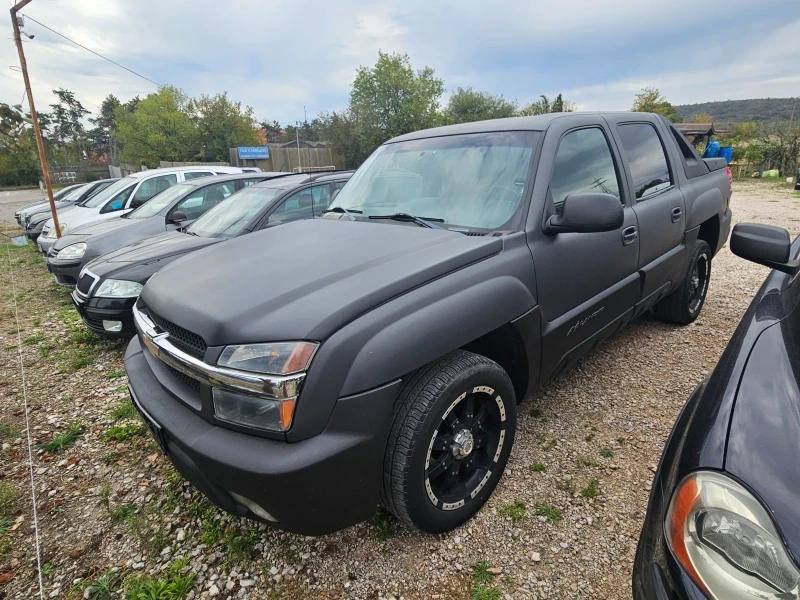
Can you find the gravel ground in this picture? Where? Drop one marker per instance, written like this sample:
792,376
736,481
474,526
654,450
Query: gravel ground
115,518
10,201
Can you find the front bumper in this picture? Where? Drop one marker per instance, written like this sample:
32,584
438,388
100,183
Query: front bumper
312,487
94,311
66,272
45,243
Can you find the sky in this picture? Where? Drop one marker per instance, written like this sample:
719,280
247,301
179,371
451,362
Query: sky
280,56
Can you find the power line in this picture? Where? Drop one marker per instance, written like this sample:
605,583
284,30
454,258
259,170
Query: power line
92,51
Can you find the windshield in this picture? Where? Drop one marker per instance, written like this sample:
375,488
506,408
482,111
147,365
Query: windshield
76,193
231,216
160,201
472,180
105,194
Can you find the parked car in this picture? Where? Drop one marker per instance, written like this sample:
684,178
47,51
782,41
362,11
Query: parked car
304,375
123,196
108,286
723,520
175,207
36,217
57,195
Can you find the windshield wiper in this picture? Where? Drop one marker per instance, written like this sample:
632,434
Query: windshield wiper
342,209
424,222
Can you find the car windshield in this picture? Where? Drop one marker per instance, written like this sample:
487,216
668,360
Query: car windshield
76,193
160,201
471,180
105,194
231,216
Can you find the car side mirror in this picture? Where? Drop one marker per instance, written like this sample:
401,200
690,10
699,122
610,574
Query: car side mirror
177,216
587,213
765,245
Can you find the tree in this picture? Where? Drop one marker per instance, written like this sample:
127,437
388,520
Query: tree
158,128
344,132
651,100
776,146
701,118
308,132
273,131
390,99
543,106
222,124
19,158
467,105
66,119
104,135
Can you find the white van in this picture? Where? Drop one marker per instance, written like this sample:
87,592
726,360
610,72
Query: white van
123,196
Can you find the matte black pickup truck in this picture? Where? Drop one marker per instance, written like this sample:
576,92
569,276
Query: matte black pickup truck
305,374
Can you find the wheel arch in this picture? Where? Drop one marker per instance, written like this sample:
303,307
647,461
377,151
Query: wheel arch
709,233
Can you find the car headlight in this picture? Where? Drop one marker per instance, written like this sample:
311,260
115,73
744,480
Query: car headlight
727,542
52,232
272,411
73,251
118,288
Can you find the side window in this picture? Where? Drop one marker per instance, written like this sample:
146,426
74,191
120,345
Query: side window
583,164
249,182
295,207
187,175
646,158
205,199
116,202
321,195
151,187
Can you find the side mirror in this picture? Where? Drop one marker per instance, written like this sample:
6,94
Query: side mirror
765,245
587,213
177,216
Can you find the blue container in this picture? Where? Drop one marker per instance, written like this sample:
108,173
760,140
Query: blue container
711,150
726,152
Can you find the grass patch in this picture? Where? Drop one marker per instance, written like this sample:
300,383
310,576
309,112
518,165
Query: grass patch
171,586
384,524
109,457
607,453
592,490
481,572
34,339
620,440
36,321
8,431
201,509
5,526
122,513
536,413
566,485
62,441
481,592
538,467
7,494
123,410
104,587
210,532
45,350
240,543
550,512
116,374
123,433
585,461
589,437
516,511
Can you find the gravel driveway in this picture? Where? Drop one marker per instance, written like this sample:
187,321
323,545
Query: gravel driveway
114,516
11,201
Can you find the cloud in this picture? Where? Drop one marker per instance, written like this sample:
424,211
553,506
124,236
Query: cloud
281,56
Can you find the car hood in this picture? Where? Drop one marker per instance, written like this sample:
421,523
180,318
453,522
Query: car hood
139,260
44,207
304,280
46,215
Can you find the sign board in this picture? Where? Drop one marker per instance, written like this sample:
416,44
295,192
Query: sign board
253,152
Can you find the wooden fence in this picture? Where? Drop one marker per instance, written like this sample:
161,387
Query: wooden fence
285,159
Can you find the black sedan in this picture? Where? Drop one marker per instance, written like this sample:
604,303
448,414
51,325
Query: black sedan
175,207
723,519
109,286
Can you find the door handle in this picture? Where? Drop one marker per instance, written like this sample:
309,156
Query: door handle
629,235
676,214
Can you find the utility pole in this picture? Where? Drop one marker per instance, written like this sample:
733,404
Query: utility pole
297,134
37,132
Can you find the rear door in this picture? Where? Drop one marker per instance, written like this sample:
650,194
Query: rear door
658,204
586,283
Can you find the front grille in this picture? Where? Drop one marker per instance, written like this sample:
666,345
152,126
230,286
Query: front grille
189,382
85,284
183,338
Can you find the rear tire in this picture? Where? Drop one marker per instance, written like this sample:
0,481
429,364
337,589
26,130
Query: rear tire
450,439
683,305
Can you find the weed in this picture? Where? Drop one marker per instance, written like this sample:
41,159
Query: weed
551,444
607,453
481,572
104,587
552,513
516,511
116,374
123,410
84,336
44,350
79,359
481,592
34,339
67,399
566,485
210,532
620,440
62,441
173,586
8,431
123,512
384,524
124,432
240,544
536,413
109,457
541,438
589,437
36,321
538,467
592,490
200,508
585,461
5,526
47,568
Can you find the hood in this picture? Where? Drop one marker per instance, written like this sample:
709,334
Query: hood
79,234
139,260
44,207
304,280
47,215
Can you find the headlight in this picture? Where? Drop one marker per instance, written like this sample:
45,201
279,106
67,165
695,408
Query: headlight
727,542
73,251
272,411
52,232
118,288
281,358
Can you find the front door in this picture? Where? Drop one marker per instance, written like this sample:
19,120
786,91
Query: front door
587,283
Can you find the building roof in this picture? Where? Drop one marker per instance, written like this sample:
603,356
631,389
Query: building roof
696,128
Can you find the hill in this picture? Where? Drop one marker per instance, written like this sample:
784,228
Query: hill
739,111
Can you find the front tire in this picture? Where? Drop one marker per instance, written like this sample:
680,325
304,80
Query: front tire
683,305
450,439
